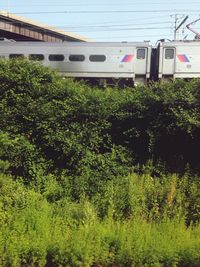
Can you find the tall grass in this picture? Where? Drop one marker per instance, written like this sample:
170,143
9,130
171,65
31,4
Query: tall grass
35,232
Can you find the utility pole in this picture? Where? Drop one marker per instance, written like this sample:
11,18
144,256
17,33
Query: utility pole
178,24
175,25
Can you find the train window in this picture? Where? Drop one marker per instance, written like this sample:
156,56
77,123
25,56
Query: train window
141,53
76,58
169,53
36,57
97,58
56,57
16,56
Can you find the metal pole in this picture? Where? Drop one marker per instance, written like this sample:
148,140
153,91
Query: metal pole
175,25
176,28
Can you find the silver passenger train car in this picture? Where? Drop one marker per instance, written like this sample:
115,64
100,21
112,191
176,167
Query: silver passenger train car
178,59
134,62
130,61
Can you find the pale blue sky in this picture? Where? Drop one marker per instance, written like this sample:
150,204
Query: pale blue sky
110,20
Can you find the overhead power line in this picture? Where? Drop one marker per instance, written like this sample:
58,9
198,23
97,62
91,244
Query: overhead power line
112,25
122,2
90,26
109,27
129,36
127,20
124,29
100,4
105,11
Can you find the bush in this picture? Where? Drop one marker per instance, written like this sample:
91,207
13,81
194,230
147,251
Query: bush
65,119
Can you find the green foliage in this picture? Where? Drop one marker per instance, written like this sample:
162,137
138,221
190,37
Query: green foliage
153,199
34,232
24,224
64,119
22,156
69,194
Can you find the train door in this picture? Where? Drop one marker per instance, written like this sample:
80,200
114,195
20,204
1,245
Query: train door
141,64
168,66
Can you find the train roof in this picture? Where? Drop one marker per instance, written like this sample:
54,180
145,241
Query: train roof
181,43
77,44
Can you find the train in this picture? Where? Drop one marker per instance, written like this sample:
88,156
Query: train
130,63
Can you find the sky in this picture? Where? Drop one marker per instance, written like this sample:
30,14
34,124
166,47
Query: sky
112,20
